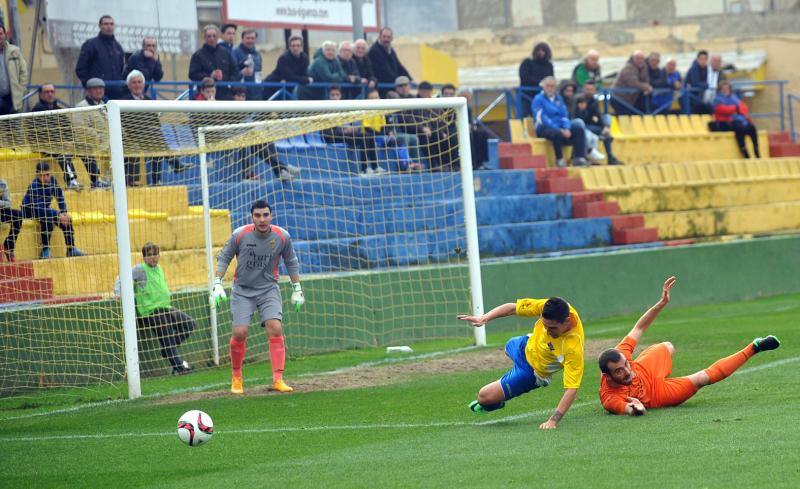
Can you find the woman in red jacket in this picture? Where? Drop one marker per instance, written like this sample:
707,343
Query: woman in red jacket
731,114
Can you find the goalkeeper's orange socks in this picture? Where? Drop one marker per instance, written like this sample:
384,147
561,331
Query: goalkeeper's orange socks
277,357
237,356
726,366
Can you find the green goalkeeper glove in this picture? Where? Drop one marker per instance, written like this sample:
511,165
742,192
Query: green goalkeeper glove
297,296
218,294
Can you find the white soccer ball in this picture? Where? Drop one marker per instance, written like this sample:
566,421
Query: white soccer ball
195,428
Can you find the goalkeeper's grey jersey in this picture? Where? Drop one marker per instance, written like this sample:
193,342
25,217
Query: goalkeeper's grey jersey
257,256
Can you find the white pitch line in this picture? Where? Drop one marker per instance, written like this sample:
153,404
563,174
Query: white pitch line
776,363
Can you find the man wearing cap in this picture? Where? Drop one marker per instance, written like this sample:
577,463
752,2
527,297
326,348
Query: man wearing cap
402,85
95,95
385,64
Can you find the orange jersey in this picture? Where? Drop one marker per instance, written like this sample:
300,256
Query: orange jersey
614,397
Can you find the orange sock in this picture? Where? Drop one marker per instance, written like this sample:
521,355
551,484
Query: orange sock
728,365
237,356
277,356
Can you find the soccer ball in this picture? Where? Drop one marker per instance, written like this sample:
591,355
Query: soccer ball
195,428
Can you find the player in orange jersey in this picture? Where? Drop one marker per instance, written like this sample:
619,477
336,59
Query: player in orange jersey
632,386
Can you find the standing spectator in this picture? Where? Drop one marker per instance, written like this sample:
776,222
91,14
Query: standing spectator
697,83
552,122
588,69
146,60
350,68
215,61
95,95
13,76
248,62
365,71
227,36
49,101
292,67
632,76
36,205
13,217
731,114
532,71
324,69
154,311
715,75
385,64
599,124
102,57
478,135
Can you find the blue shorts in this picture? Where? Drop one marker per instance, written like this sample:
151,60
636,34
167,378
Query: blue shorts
521,378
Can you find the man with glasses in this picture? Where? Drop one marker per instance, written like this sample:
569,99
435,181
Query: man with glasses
102,57
216,61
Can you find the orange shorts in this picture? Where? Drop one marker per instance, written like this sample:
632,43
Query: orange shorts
657,361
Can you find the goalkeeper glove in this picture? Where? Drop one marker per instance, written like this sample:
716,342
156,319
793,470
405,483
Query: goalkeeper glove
297,296
218,294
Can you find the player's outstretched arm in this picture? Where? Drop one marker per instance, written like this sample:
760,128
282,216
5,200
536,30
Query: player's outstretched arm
648,317
634,407
500,311
563,406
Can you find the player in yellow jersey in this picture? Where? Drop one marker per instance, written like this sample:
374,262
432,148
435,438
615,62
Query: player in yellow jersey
555,344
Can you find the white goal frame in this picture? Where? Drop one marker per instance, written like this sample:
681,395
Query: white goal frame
115,110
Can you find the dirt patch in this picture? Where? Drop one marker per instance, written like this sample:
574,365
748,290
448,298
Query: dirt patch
393,373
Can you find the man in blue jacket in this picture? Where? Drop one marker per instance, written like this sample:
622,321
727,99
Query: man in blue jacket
248,62
552,123
102,57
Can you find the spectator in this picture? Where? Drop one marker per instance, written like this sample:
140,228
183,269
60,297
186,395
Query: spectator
215,61
402,87
360,49
667,82
146,60
207,89
324,69
350,68
436,132
478,135
599,124
102,57
154,311
135,82
531,71
49,101
403,125
36,205
552,123
13,76
424,90
248,62
581,113
385,64
697,83
633,84
731,114
715,75
227,36
371,128
567,89
13,217
292,67
657,80
588,69
95,95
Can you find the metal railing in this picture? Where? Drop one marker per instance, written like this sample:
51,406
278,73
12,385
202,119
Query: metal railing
790,99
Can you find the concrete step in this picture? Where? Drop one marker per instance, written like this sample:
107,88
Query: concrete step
634,235
587,196
782,150
522,162
560,185
10,271
548,173
508,149
627,221
25,289
595,209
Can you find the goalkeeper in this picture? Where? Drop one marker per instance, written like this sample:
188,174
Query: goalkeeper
631,386
258,248
555,344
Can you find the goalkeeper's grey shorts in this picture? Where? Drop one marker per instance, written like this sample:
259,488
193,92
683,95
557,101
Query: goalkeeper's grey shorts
268,304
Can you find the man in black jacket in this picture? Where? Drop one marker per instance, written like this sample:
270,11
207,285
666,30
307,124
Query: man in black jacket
147,61
385,64
102,57
292,67
360,49
532,71
214,61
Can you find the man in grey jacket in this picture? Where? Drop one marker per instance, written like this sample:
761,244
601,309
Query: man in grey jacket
13,76
13,217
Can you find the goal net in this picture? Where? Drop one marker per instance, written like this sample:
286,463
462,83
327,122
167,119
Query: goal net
376,196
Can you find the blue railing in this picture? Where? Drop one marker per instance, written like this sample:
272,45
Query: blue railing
790,99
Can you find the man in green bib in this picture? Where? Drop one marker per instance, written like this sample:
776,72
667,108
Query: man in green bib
153,309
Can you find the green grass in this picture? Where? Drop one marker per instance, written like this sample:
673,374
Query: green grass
741,432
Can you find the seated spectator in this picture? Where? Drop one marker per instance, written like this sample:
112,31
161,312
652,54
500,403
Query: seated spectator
385,63
437,133
359,139
36,205
697,84
49,101
633,84
532,71
478,135
670,80
552,123
402,87
595,121
95,95
568,89
248,62
292,67
405,135
324,69
154,311
146,60
207,89
136,82
13,217
582,113
424,90
350,68
588,69
360,49
215,61
731,114
371,128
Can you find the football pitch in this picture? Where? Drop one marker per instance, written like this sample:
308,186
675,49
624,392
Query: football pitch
368,419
